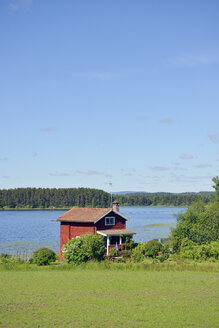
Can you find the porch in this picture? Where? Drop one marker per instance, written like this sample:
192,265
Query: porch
114,238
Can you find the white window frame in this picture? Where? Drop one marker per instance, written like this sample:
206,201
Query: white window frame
111,218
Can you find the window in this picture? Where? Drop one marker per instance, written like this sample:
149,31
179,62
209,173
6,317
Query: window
109,221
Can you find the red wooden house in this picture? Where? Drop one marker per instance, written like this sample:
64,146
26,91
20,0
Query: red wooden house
108,222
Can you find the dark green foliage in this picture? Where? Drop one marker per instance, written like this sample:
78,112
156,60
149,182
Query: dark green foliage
152,248
216,187
200,224
128,243
120,260
125,254
57,198
112,252
44,256
165,253
87,197
149,249
9,259
86,248
163,199
191,250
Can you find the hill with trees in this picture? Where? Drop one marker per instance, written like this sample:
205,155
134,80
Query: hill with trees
46,198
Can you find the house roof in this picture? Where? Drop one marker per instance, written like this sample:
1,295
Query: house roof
92,215
115,232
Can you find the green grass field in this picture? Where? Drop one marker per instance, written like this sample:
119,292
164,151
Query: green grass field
108,298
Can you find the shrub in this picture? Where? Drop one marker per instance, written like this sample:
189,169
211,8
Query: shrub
87,247
152,248
165,254
138,253
44,256
128,243
148,249
191,250
120,260
208,251
112,252
9,259
125,254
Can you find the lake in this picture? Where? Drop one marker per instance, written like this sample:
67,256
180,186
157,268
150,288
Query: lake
21,232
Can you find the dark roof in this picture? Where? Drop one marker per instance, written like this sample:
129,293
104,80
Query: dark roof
115,232
79,214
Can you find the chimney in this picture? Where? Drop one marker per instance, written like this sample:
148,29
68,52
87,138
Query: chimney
116,206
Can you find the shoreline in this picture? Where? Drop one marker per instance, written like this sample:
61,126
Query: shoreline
68,208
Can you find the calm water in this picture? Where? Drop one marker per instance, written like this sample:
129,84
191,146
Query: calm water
21,232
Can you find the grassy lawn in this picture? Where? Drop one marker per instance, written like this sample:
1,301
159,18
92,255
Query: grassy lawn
108,298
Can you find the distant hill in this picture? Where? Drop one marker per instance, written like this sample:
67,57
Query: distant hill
146,193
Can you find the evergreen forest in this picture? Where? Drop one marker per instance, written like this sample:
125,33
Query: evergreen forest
46,198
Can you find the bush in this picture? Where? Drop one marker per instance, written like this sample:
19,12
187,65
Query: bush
125,254
148,249
208,251
9,259
152,248
191,250
128,243
112,252
87,247
120,260
44,256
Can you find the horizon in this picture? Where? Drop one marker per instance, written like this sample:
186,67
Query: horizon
94,93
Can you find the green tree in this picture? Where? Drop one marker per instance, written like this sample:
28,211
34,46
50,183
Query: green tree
87,247
200,223
216,187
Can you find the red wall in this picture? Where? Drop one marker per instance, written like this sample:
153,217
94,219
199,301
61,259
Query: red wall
120,223
69,230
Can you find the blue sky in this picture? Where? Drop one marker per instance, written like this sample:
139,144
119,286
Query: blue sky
116,91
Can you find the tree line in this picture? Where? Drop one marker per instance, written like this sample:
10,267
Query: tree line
88,197
53,198
163,199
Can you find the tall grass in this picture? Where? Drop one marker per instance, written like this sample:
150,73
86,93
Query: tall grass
109,266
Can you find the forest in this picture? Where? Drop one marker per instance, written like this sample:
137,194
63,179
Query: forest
45,198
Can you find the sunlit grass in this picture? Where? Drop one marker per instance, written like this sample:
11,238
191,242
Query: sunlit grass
98,297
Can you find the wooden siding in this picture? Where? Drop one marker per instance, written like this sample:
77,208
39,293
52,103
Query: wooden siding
120,223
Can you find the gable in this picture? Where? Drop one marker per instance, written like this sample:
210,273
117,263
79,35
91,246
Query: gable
111,212
106,222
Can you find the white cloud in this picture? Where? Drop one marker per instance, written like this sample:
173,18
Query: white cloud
166,120
89,172
3,158
59,174
214,137
148,182
193,60
177,168
186,156
159,168
202,166
20,4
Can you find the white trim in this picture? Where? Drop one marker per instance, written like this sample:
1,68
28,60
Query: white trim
111,210
110,217
107,244
101,233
